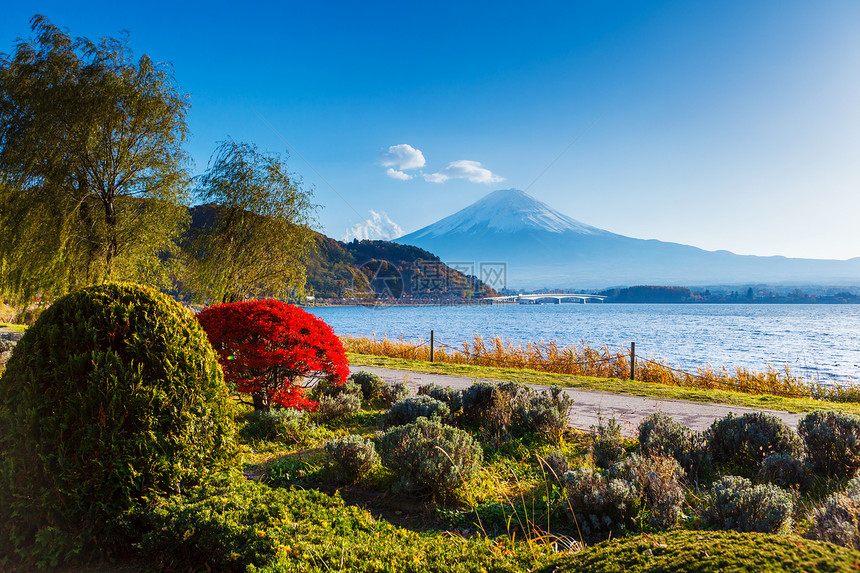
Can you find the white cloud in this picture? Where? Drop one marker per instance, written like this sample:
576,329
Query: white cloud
378,227
464,169
395,174
402,157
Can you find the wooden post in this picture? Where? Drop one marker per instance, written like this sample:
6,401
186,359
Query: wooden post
431,346
633,361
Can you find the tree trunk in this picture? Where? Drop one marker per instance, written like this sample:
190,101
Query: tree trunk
110,219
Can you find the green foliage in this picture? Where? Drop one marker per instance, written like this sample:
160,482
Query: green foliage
408,410
606,446
255,238
429,456
326,387
507,409
543,413
742,442
556,465
660,435
389,394
450,396
837,520
659,482
371,385
601,504
734,503
112,398
354,457
291,471
784,470
681,551
238,525
832,442
279,425
336,407
94,178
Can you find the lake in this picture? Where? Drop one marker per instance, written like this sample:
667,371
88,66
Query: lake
816,341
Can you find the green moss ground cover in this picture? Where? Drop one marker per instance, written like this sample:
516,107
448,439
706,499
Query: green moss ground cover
708,551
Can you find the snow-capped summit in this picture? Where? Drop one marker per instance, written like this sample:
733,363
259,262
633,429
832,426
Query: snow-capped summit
504,211
540,247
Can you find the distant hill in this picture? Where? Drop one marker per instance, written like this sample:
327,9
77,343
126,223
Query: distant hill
377,270
543,248
382,269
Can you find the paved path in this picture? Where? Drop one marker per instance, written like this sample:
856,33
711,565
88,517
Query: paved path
588,404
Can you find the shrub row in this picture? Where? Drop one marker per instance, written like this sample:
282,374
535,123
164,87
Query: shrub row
500,411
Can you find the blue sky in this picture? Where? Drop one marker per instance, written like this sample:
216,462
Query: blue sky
725,125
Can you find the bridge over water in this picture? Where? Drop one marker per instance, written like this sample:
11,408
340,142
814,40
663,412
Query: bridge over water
552,297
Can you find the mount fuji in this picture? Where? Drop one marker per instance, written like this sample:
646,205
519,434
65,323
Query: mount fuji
543,248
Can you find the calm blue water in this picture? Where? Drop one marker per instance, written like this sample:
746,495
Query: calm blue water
820,341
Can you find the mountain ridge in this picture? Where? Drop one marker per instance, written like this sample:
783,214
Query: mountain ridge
545,248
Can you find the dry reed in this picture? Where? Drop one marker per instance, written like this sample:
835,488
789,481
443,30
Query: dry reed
584,360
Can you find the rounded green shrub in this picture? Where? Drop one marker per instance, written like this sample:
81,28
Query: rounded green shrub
606,446
659,480
336,407
446,394
601,504
354,457
285,425
660,435
390,394
837,520
113,398
408,410
832,442
735,503
784,470
543,413
326,387
371,385
742,442
429,456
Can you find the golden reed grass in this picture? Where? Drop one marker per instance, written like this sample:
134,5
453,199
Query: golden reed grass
583,360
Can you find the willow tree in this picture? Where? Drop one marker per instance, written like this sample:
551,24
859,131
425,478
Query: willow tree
252,237
93,178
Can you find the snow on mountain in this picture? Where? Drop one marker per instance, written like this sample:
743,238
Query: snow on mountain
541,247
505,211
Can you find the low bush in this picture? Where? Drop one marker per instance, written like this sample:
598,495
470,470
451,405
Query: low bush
600,504
280,425
784,470
235,525
742,442
450,396
660,435
336,407
488,407
430,457
543,413
556,465
371,385
327,388
734,503
606,447
354,457
408,410
837,520
659,481
832,442
390,394
682,551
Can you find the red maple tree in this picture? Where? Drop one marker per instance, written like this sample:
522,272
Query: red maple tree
273,351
